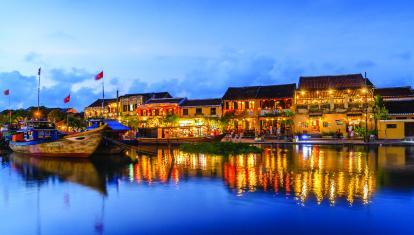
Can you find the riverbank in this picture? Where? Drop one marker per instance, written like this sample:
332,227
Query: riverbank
325,142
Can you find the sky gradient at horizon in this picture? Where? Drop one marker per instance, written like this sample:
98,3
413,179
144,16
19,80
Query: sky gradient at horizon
196,48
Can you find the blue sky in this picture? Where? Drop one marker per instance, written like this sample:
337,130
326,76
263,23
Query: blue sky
196,48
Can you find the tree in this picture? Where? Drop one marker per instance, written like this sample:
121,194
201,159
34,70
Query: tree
170,120
56,115
380,111
75,122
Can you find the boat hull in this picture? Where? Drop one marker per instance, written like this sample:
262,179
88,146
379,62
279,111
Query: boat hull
81,144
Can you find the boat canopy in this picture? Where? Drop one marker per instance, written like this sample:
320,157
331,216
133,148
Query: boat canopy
112,124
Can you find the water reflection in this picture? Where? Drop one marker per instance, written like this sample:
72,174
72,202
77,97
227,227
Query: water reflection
305,174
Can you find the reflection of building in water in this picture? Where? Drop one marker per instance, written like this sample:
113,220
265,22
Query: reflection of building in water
307,173
172,164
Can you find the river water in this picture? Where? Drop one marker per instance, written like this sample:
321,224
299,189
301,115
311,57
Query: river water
287,189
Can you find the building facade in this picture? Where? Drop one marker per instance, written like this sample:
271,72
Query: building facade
129,103
326,105
201,116
260,108
399,102
94,110
153,113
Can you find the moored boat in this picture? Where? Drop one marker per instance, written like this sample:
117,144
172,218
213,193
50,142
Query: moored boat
43,139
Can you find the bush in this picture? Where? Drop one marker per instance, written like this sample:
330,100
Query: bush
220,148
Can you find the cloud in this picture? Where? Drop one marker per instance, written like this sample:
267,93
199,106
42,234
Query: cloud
214,75
23,89
32,57
405,56
365,64
61,35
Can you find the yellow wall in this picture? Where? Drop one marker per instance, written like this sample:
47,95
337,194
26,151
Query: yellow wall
391,133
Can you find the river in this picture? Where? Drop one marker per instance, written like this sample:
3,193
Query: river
286,189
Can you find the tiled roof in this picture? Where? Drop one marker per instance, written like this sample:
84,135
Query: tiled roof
260,92
400,107
202,102
98,102
333,82
406,91
166,101
149,95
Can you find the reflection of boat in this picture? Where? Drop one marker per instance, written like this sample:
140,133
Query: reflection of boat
80,171
42,139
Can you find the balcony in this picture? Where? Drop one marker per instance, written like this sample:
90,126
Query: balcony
269,113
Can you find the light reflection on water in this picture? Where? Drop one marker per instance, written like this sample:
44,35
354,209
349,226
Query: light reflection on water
302,176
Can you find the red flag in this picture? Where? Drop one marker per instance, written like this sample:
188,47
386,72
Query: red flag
67,99
99,76
6,92
38,72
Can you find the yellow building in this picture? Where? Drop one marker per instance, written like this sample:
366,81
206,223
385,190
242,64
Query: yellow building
259,108
129,103
125,107
94,110
395,129
399,102
202,115
328,104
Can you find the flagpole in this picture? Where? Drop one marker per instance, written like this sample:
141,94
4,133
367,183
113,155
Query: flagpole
67,116
9,110
103,98
38,93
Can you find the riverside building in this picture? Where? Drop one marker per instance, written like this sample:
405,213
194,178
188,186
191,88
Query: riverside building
259,108
326,105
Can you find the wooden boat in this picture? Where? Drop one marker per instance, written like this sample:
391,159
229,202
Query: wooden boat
179,140
42,139
112,136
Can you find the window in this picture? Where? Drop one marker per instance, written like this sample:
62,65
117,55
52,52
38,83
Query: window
391,126
227,105
246,104
213,111
131,107
325,124
157,112
236,106
199,111
185,112
125,108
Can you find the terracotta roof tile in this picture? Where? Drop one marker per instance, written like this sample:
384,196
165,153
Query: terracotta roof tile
333,82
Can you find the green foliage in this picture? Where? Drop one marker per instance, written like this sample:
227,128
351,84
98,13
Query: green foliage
75,122
380,112
220,148
360,131
328,133
288,113
170,120
56,115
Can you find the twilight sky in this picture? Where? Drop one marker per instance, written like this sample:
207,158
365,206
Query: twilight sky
196,48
